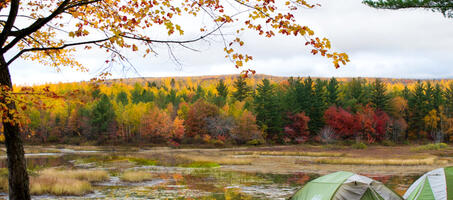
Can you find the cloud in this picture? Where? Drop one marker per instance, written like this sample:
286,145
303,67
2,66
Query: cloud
381,43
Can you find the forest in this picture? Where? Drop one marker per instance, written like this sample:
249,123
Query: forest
233,110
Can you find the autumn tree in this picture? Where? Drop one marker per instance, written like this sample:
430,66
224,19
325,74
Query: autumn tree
399,114
246,129
199,113
341,121
297,130
50,31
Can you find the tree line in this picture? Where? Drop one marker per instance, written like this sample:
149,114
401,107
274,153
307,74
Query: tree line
239,111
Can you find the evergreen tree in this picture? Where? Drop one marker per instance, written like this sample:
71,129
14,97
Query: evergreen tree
449,100
406,93
305,96
268,112
122,98
173,83
437,97
319,105
102,115
379,97
136,93
333,92
173,98
222,93
429,96
418,108
356,94
147,96
199,93
443,6
242,89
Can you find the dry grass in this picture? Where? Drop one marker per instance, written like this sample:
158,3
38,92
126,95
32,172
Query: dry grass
136,176
374,161
221,160
292,153
59,186
61,182
4,184
79,174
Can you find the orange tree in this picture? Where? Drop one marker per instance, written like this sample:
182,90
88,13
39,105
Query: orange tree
50,31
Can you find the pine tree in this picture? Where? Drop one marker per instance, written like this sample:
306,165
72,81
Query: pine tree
443,6
102,115
418,108
136,93
222,93
333,92
379,97
268,112
319,105
449,100
429,95
437,97
122,98
242,90
356,94
200,93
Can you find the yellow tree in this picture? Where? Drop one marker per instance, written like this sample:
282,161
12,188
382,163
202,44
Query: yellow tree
50,31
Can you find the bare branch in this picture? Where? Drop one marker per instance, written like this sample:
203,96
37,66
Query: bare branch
135,37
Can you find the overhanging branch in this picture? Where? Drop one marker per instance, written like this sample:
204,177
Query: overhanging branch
56,48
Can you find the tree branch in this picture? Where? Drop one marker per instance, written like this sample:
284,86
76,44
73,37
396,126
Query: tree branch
9,22
34,27
56,48
135,37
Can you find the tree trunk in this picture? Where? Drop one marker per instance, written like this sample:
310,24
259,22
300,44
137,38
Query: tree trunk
17,168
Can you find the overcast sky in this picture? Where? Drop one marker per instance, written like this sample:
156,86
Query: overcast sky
380,43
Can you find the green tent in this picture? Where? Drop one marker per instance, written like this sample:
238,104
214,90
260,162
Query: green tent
435,185
345,186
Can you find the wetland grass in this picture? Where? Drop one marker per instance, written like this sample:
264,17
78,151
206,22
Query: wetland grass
374,161
292,153
136,176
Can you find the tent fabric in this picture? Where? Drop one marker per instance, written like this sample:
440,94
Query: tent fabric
434,185
384,192
415,188
449,179
438,183
353,188
322,188
345,186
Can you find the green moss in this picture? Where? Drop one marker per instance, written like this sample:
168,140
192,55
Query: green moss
143,161
199,164
359,146
430,147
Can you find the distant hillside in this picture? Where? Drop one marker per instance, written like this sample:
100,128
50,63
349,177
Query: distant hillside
257,77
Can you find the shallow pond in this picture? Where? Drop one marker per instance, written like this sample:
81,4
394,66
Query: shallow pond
183,183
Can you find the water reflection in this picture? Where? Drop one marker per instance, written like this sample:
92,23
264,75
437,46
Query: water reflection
182,183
